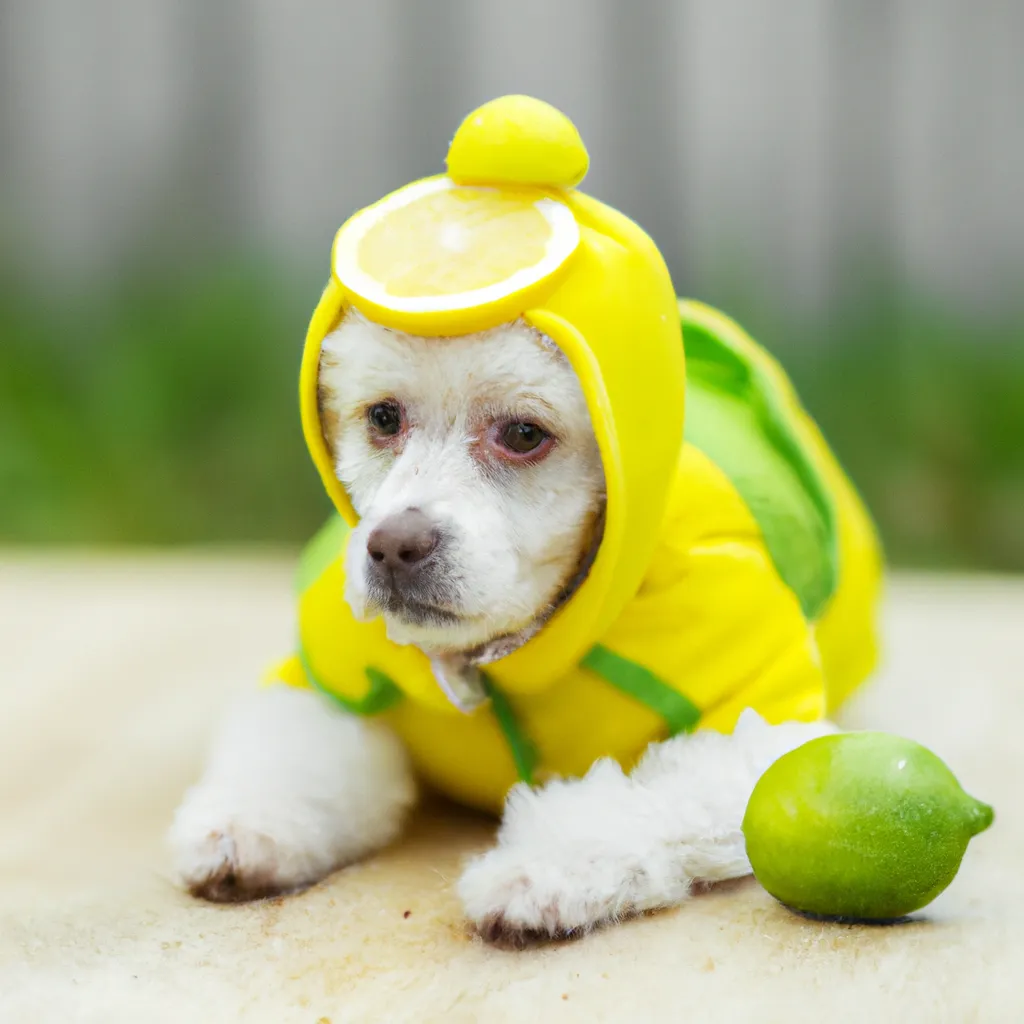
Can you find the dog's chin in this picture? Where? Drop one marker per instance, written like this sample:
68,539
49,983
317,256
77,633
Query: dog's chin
409,619
435,621
435,631
413,612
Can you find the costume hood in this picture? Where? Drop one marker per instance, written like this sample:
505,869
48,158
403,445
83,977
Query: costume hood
606,300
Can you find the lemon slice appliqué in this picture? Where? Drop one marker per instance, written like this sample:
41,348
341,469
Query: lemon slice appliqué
436,246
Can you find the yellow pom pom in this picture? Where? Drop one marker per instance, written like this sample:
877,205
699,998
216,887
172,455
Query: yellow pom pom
517,140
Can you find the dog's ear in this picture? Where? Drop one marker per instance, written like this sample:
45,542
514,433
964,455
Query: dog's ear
327,403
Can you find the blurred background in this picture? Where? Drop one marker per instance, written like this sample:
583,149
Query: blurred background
845,178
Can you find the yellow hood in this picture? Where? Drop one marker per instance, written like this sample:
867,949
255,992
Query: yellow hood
609,305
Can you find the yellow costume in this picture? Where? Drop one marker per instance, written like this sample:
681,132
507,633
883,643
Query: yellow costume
737,567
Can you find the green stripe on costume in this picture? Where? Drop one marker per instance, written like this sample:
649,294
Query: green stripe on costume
382,694
524,754
738,415
680,714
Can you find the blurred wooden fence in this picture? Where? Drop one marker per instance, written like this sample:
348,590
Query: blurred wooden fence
783,143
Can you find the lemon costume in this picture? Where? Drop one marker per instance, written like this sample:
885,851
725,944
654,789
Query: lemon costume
737,567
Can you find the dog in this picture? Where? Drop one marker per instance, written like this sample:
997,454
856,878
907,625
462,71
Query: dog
535,574
488,438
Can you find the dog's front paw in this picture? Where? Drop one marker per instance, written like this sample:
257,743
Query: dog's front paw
230,864
512,897
228,851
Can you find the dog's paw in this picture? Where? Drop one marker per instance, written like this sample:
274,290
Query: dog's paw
514,898
229,850
231,864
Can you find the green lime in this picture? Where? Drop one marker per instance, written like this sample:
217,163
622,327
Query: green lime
859,825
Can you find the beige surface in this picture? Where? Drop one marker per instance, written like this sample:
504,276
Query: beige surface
111,675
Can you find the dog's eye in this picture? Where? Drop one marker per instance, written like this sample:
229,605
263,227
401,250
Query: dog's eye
385,418
523,437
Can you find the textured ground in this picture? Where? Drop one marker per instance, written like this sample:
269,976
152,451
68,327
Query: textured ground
112,672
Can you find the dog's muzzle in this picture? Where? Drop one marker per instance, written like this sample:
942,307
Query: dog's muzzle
406,573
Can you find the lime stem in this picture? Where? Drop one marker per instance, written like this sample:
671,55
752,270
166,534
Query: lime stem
982,815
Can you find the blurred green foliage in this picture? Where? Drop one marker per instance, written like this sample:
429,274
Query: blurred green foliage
164,411
161,411
927,415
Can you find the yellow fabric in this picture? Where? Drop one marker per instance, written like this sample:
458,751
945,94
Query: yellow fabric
846,632
682,584
518,140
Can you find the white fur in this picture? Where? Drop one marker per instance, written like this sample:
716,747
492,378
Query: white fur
579,853
515,532
293,789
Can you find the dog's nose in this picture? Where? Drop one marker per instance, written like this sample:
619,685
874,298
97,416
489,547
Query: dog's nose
402,540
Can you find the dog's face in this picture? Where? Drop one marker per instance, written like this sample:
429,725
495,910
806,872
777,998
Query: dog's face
474,469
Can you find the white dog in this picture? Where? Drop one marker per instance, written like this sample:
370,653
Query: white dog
475,472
